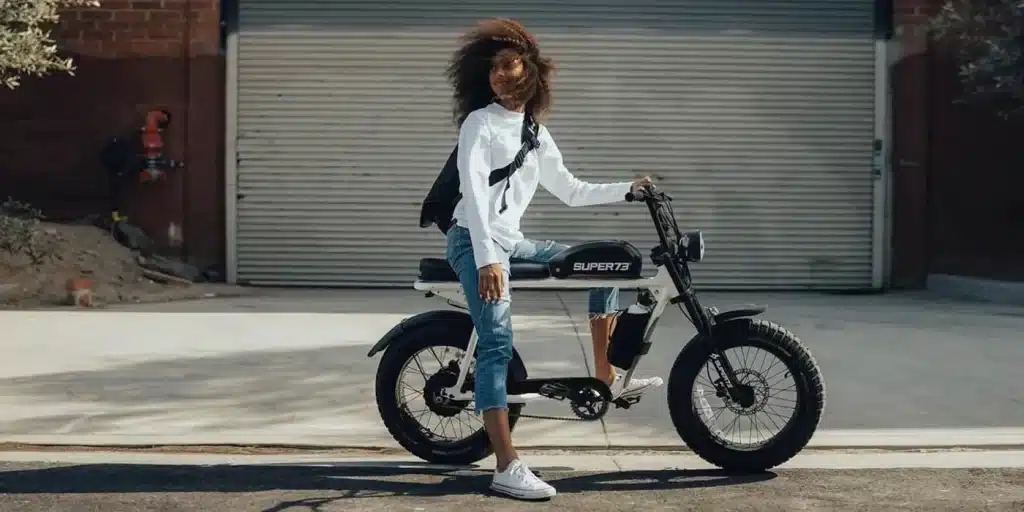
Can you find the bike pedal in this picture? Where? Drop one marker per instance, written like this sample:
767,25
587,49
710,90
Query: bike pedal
626,403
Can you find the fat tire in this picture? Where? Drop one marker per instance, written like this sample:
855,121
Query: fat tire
787,443
468,451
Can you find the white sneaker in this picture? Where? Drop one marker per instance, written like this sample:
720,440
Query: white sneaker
519,482
637,387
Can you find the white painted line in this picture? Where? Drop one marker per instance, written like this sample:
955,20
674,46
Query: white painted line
370,435
542,462
936,437
864,438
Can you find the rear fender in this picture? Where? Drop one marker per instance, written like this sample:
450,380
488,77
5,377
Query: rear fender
399,333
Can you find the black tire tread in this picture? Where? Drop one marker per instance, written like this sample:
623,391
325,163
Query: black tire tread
695,434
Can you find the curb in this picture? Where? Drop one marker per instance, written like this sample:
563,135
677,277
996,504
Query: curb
974,288
824,440
540,461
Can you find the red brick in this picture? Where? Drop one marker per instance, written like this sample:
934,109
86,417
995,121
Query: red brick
147,49
67,33
167,31
164,16
205,5
95,15
204,47
116,26
147,4
92,34
130,16
204,16
89,47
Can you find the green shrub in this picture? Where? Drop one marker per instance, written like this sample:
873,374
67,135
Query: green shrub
26,43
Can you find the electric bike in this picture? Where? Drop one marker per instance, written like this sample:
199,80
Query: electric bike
735,359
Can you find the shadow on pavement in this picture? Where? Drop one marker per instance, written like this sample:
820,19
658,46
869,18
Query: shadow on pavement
344,481
249,390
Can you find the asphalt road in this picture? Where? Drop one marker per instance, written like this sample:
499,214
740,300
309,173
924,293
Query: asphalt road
322,488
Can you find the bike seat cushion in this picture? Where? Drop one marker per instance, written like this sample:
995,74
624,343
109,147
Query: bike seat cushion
438,270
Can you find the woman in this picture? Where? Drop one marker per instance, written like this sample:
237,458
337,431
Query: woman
498,75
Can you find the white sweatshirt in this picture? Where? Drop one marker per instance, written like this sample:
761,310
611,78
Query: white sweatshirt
489,139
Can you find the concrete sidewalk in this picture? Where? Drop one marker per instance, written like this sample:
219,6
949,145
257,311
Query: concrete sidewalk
290,367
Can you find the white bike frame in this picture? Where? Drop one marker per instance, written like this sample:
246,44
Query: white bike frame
660,286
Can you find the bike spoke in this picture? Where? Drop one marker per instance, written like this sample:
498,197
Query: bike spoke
449,423
439,361
419,366
760,374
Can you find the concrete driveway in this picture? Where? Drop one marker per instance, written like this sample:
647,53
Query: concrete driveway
287,366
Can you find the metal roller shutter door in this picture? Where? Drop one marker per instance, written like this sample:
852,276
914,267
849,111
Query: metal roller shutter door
758,115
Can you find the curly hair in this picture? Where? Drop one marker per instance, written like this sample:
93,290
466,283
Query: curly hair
499,42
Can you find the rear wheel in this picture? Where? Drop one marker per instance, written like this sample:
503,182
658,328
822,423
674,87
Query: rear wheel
782,402
411,379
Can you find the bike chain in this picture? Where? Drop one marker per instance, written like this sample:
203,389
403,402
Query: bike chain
556,418
607,403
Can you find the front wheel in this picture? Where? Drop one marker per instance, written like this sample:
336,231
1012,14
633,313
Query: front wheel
783,397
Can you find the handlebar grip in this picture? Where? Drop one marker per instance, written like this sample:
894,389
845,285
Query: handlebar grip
630,197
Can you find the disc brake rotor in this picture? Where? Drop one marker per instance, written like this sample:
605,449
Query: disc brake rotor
754,383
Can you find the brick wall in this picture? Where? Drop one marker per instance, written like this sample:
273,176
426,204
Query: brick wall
131,56
975,218
956,168
910,142
143,28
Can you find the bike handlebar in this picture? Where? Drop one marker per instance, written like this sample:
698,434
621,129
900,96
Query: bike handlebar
647,194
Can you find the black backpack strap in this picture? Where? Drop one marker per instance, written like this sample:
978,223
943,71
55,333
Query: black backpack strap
530,142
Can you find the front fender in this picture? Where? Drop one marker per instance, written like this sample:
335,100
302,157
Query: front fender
516,367
725,320
735,314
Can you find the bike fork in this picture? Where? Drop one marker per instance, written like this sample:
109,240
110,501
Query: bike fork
727,380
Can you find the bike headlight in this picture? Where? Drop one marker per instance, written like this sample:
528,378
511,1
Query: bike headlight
691,246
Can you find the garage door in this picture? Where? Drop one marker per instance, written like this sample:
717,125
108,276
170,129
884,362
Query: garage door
758,115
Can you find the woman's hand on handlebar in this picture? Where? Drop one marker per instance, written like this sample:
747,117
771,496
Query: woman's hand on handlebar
640,187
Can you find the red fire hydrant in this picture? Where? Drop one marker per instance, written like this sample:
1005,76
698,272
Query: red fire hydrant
139,154
155,164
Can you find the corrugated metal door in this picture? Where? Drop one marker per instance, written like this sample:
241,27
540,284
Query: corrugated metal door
757,115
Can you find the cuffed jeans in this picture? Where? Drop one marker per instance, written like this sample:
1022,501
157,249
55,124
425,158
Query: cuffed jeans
493,322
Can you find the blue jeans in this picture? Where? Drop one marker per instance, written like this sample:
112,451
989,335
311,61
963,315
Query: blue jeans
494,321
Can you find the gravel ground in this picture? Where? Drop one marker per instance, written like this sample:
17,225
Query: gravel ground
274,488
85,251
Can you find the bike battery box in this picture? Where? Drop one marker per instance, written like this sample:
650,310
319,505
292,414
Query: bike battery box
602,259
628,340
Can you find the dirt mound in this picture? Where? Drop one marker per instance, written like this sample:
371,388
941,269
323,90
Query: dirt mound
85,252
